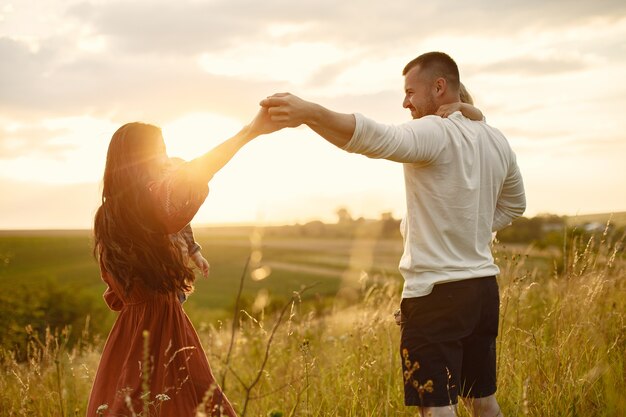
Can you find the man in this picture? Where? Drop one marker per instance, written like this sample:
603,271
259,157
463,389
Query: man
462,183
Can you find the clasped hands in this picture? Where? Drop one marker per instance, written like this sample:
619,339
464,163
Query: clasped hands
279,111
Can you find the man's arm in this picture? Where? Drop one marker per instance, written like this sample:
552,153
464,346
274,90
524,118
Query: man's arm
511,201
287,110
418,141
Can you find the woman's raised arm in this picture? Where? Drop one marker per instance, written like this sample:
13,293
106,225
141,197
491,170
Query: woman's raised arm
181,192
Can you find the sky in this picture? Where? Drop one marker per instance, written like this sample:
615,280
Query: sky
550,75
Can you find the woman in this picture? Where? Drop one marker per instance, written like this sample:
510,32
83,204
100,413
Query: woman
153,362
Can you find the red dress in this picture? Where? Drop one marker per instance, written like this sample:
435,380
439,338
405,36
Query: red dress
179,377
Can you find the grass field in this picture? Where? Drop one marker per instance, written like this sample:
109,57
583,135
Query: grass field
561,345
61,263
28,259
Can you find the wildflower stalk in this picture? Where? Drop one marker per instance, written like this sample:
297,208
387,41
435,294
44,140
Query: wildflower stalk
58,369
145,374
234,324
257,378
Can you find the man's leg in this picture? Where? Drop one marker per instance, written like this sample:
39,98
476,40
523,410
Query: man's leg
478,385
432,330
484,407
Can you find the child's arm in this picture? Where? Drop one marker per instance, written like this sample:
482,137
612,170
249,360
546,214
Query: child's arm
187,234
466,109
201,263
194,250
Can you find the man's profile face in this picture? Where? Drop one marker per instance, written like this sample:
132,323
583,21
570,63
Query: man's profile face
418,96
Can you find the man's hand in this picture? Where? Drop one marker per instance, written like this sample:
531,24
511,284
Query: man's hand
287,110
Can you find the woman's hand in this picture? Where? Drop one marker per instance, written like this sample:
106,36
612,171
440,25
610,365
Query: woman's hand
262,124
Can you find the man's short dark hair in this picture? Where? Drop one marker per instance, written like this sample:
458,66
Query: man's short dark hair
439,65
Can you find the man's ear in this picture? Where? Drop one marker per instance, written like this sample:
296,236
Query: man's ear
440,86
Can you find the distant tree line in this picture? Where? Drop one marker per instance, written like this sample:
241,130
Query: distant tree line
549,230
347,227
544,230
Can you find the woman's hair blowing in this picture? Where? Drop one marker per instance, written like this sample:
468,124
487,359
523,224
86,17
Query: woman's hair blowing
130,241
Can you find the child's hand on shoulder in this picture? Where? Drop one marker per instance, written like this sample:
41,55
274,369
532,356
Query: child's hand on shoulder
446,110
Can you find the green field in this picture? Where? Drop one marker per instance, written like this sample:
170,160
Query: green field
51,277
34,262
28,259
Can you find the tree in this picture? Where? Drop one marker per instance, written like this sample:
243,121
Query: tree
344,216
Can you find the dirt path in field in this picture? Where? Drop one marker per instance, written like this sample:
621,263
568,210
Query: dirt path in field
306,269
322,245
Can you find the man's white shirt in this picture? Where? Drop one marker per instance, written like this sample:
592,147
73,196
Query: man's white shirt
462,183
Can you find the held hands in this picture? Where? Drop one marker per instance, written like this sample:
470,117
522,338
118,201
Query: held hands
261,124
277,112
287,110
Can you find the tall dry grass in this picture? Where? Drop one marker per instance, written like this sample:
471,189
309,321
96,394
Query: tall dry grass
563,335
561,350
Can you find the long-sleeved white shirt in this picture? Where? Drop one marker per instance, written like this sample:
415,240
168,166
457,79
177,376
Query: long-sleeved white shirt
462,182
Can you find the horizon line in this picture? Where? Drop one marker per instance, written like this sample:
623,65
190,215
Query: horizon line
272,224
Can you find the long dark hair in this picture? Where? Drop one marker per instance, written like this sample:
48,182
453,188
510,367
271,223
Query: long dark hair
130,241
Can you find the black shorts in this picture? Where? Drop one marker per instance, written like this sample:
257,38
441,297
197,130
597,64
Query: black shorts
448,342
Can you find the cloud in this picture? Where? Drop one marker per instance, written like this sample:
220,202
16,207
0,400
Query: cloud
31,205
154,88
327,74
611,147
32,140
188,27
43,80
535,66
22,71
149,66
151,88
177,28
547,137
